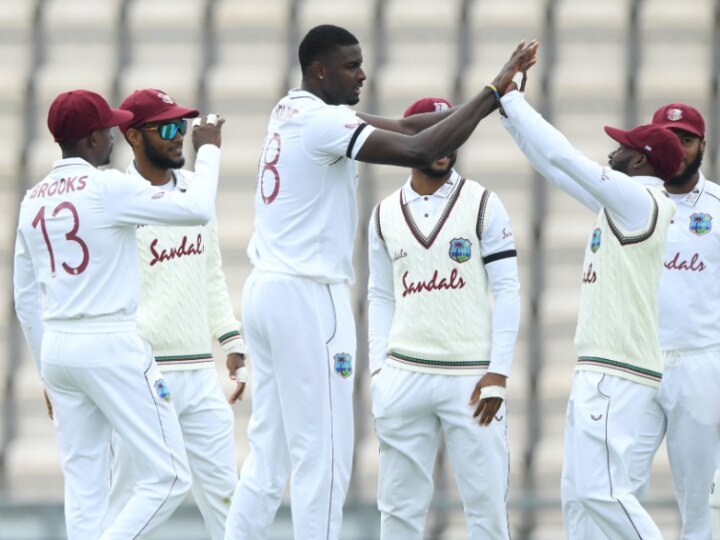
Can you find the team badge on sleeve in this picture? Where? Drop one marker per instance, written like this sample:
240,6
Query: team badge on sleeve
595,241
162,390
460,249
700,224
343,365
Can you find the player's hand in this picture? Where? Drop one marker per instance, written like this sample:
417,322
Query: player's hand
49,405
523,58
207,130
234,362
487,408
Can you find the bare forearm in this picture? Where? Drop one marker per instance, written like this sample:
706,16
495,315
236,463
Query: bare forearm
408,126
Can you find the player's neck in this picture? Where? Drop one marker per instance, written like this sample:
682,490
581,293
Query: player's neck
155,175
684,187
424,184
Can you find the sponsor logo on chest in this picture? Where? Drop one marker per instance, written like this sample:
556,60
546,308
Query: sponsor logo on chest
185,248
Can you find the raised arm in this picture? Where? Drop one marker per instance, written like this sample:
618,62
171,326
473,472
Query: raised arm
554,175
410,125
429,145
626,199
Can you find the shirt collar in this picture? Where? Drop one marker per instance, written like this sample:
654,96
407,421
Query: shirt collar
691,198
177,178
444,191
70,161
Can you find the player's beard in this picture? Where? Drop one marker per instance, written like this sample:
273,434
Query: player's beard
157,159
440,173
690,171
621,166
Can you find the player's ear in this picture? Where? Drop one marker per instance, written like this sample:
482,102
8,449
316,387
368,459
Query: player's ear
134,137
317,69
640,161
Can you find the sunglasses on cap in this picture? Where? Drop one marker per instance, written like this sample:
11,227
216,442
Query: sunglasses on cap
168,130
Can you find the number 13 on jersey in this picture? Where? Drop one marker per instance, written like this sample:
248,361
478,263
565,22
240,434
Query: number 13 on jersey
70,236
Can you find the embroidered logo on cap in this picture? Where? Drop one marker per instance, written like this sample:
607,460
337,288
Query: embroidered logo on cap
167,99
440,106
674,115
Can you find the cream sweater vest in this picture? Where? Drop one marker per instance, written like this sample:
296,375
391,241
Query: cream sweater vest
184,300
617,330
442,321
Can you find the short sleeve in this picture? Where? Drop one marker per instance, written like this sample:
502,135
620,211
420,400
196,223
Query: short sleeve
496,241
334,132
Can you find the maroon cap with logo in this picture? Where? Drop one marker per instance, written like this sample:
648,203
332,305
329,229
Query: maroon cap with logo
680,116
152,105
76,114
426,105
660,145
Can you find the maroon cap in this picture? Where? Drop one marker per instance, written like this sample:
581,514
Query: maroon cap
74,115
680,116
426,105
660,145
152,105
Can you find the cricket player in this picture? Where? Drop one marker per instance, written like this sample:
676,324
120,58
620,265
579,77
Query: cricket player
183,301
686,409
297,316
439,354
619,365
76,284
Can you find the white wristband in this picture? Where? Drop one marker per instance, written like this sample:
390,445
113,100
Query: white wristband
492,392
241,375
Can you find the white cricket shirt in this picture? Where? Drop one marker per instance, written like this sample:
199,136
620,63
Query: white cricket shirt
305,204
689,298
75,253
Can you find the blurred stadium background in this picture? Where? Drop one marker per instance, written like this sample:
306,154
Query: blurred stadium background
601,62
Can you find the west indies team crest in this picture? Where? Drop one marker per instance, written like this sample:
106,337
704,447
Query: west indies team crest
595,241
460,249
162,390
343,365
700,224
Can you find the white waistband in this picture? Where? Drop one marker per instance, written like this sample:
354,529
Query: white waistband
92,325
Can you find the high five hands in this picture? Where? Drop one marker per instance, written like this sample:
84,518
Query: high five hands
523,58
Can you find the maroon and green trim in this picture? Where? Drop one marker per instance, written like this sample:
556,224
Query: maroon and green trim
481,213
626,240
620,366
439,364
427,241
230,336
180,359
378,227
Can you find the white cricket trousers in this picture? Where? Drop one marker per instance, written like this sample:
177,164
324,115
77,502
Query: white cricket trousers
686,410
410,409
101,377
301,340
206,421
603,418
